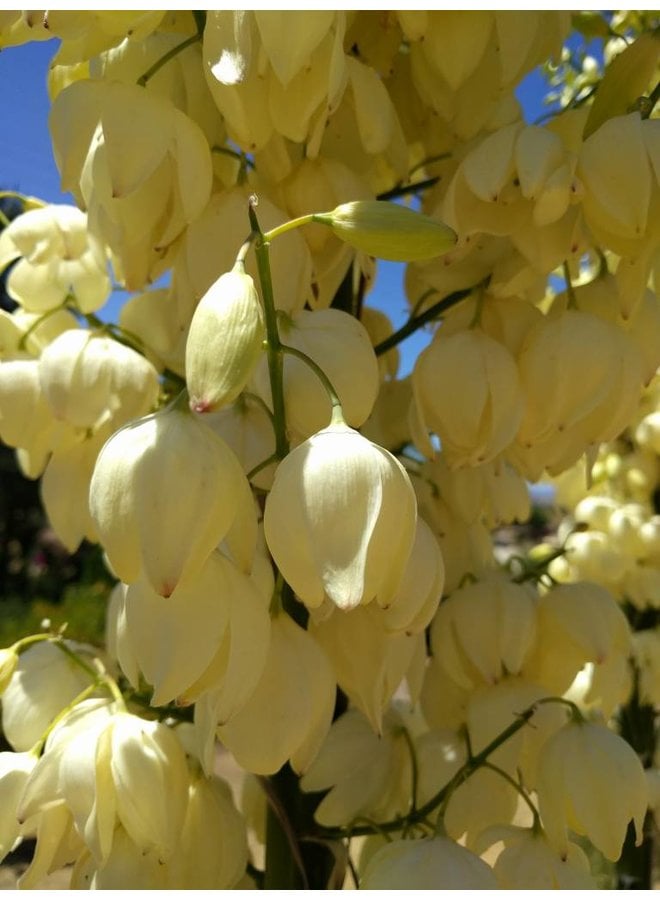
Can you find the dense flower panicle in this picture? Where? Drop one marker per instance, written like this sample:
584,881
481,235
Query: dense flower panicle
306,617
340,520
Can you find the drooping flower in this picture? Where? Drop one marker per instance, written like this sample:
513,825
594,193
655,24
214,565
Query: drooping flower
340,520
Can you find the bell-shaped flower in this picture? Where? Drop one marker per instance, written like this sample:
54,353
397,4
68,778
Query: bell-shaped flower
65,486
429,864
340,520
364,774
484,631
44,682
224,342
14,771
340,345
110,767
369,661
479,416
141,185
215,620
85,375
582,349
26,419
58,258
212,852
529,862
58,843
466,547
416,601
151,519
579,623
289,713
591,781
481,800
126,863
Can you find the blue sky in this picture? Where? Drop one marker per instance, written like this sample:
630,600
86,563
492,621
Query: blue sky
27,164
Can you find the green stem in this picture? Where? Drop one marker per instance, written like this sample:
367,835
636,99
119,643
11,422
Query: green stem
467,769
648,104
289,226
26,642
93,673
534,570
274,349
24,198
404,189
97,673
166,57
416,322
262,465
37,322
337,411
536,825
83,695
4,220
256,399
414,769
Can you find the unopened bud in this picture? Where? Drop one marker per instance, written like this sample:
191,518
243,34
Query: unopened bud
388,230
224,343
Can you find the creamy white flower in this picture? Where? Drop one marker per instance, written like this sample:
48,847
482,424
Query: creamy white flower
340,520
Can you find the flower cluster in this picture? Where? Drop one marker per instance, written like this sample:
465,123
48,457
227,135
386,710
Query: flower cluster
300,534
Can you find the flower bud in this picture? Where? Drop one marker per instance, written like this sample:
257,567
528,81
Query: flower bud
224,342
389,230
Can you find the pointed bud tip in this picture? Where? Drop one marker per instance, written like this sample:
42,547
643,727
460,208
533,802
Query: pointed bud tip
200,406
